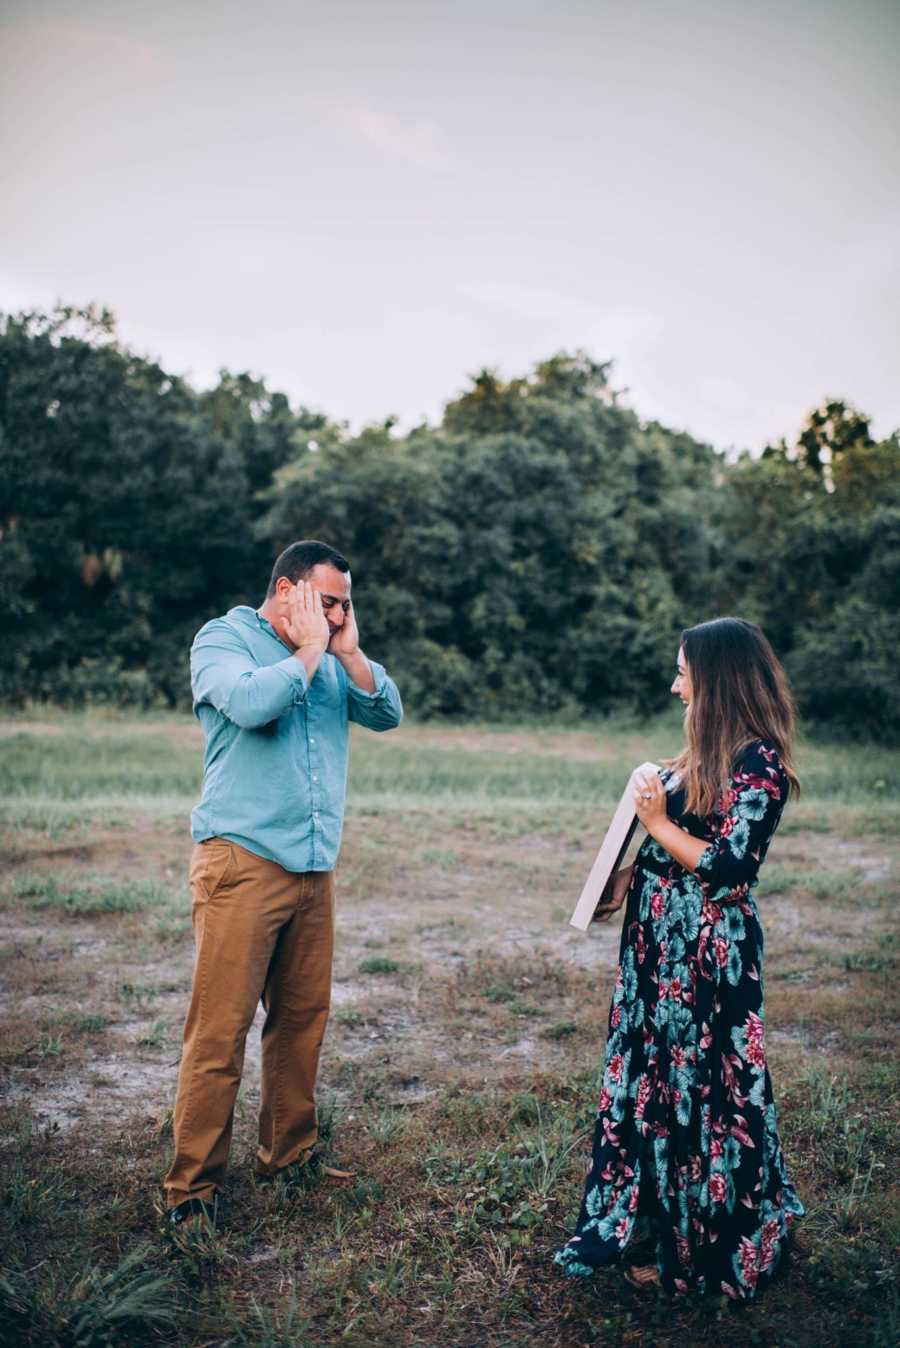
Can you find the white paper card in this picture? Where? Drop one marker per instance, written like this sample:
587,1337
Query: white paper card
612,849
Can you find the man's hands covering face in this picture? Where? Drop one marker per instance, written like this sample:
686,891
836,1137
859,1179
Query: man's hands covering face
305,621
345,640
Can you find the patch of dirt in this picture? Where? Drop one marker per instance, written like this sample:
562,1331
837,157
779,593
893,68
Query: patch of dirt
111,1087
456,928
145,850
80,852
875,867
791,922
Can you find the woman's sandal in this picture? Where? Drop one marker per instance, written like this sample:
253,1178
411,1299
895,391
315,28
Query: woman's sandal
642,1276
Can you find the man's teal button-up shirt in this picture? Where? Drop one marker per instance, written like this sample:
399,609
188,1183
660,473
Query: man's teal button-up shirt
275,762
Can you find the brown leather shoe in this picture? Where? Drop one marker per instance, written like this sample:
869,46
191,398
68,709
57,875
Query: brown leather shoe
315,1160
195,1216
309,1167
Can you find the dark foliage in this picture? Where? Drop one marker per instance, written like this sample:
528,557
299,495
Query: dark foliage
538,551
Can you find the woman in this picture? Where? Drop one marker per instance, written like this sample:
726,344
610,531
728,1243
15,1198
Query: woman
686,1153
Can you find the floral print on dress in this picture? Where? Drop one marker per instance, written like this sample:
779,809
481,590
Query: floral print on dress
686,1150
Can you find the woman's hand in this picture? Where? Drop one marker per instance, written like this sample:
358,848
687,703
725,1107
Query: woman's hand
613,895
649,797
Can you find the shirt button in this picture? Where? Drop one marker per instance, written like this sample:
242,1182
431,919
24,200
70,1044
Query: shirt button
315,778
312,741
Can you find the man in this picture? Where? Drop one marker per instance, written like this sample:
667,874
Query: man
274,690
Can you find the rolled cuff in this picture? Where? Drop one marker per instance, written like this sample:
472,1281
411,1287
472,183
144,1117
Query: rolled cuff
380,677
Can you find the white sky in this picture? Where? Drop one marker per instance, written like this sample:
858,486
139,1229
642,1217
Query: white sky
366,201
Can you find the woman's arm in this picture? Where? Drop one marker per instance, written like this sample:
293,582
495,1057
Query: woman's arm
614,894
650,807
751,808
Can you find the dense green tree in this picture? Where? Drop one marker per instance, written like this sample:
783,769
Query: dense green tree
125,515
811,552
257,425
534,537
539,550
830,432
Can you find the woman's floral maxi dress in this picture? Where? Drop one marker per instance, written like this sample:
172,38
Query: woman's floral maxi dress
686,1147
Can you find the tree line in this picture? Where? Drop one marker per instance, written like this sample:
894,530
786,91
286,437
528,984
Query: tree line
536,553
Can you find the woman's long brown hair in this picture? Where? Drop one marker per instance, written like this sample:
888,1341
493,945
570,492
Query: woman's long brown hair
739,693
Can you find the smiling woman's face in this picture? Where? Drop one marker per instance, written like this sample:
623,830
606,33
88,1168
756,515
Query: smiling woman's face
682,685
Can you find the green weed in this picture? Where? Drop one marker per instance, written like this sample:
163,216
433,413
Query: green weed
842,1131
155,1036
878,958
819,882
47,891
563,1029
440,856
130,1303
283,1326
379,964
81,1022
386,1126
135,996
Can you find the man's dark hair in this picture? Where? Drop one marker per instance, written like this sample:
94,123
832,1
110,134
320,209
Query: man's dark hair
299,559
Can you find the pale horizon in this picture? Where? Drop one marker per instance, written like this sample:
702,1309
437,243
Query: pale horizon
364,207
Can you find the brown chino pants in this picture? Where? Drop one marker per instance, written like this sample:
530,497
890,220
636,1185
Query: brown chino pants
260,932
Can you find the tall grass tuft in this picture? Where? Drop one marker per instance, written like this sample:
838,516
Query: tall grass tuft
128,1304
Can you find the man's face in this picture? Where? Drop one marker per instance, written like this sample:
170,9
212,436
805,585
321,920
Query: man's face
334,587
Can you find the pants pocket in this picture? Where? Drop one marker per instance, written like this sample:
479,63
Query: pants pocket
212,864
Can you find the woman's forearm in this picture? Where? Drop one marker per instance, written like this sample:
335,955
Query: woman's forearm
684,847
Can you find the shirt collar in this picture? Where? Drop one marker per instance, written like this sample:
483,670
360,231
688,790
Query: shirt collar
267,627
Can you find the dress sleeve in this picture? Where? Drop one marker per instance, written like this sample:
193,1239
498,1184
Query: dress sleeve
747,817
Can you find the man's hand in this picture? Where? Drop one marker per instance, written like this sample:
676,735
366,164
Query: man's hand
613,895
345,645
345,641
305,623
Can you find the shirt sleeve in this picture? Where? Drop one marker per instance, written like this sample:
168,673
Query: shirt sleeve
380,710
748,815
225,675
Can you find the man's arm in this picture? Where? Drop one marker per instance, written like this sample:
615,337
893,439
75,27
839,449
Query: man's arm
379,708
358,670
224,674
372,697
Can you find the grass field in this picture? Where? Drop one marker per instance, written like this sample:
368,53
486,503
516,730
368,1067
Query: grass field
459,1071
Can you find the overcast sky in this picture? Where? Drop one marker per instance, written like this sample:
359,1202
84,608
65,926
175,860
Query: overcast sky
366,201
